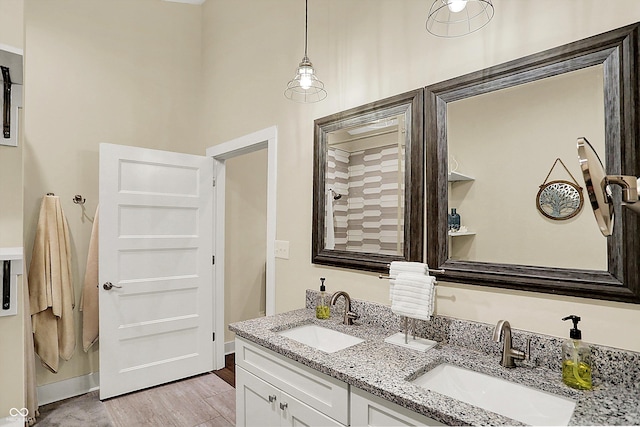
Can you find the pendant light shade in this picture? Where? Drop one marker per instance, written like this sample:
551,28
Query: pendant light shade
455,18
305,86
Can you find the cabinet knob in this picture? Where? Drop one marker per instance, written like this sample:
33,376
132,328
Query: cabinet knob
272,398
283,406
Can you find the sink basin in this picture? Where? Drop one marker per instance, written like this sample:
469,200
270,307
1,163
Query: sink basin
320,338
512,400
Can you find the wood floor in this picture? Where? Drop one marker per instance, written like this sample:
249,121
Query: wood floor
228,373
206,400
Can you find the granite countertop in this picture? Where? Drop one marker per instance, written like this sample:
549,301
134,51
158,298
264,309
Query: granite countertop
385,370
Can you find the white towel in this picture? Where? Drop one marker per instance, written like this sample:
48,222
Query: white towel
397,267
330,241
413,295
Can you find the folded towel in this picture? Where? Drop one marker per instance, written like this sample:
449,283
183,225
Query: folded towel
413,295
51,294
89,301
397,267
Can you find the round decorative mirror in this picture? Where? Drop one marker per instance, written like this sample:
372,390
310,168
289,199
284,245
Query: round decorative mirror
559,200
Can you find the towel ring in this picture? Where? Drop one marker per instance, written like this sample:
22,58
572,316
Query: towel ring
78,199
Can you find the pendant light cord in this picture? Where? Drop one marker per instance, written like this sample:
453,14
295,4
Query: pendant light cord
306,20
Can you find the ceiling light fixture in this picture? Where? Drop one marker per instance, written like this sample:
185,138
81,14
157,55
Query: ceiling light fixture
305,86
455,18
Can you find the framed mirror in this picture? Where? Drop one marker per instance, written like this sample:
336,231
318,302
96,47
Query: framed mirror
488,164
368,185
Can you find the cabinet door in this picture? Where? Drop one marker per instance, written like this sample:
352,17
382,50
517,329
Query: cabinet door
295,413
256,401
373,411
315,389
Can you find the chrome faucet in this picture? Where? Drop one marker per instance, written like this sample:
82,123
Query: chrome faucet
349,316
509,354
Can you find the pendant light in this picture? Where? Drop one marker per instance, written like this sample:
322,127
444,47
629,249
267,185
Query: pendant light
305,86
455,18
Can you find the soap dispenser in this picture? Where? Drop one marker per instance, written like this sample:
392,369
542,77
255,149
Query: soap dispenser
576,358
322,307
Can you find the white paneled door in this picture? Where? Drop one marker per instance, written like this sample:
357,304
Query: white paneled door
156,290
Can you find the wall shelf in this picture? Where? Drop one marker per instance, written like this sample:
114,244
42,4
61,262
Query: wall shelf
461,233
457,176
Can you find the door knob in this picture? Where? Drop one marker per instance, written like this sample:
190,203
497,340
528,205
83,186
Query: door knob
283,406
108,285
272,398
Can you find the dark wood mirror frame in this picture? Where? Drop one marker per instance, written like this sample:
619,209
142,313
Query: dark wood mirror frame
413,103
618,52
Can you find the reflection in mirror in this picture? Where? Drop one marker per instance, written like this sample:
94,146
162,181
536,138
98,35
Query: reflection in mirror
599,192
599,187
508,140
365,187
499,204
368,185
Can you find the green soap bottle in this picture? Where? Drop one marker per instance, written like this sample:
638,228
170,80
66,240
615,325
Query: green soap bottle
322,308
576,358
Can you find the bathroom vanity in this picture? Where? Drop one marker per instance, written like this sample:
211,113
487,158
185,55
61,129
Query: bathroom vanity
275,390
281,381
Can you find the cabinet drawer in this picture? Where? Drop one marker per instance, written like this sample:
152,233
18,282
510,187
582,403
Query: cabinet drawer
373,411
320,391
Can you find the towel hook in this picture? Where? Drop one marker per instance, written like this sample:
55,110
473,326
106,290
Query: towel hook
78,199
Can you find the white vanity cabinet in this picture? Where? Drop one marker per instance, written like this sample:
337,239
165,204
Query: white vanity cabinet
273,390
258,403
373,411
266,380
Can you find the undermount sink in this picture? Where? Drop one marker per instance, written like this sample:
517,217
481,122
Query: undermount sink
321,338
503,397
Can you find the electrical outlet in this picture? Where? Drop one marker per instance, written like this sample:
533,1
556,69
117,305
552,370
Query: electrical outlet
282,249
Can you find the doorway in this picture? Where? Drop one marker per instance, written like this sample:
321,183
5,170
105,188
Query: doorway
221,153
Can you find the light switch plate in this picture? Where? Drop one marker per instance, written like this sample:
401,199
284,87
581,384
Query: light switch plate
282,249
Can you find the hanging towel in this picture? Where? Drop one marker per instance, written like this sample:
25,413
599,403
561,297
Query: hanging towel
30,385
330,242
89,299
397,267
413,295
51,294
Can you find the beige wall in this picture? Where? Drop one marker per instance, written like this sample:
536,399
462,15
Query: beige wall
508,141
11,327
117,71
246,239
367,53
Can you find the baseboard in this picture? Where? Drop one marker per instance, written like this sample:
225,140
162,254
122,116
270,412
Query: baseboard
65,389
229,347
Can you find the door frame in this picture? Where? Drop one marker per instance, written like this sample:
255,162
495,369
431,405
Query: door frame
265,138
